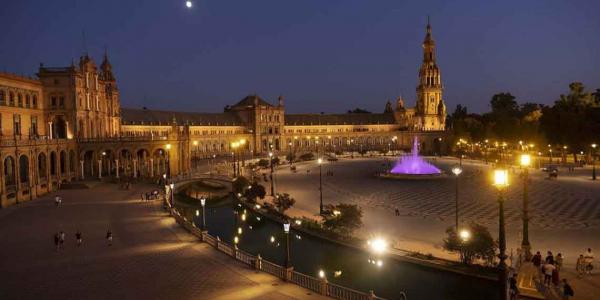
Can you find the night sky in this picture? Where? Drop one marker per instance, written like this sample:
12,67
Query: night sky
322,55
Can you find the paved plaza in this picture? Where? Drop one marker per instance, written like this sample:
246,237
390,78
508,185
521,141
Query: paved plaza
151,256
564,213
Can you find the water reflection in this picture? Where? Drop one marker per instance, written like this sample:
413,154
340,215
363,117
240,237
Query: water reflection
354,268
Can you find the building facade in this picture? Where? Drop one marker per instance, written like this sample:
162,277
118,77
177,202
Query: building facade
67,124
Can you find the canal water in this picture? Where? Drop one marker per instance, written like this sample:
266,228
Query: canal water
342,265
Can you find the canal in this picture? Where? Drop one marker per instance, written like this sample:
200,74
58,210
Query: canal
342,265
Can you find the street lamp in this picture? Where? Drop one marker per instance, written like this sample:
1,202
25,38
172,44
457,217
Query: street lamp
203,203
378,245
286,230
456,170
501,182
168,160
172,194
594,161
271,163
464,235
320,161
525,246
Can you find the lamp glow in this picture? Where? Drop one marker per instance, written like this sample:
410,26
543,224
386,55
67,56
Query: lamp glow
464,235
500,178
525,160
457,170
378,245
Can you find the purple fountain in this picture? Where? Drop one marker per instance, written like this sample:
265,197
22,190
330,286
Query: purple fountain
412,165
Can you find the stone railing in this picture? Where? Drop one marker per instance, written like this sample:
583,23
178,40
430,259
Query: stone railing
318,285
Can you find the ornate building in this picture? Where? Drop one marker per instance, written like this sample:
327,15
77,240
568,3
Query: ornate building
68,125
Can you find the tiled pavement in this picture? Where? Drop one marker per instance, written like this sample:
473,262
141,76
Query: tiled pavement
151,257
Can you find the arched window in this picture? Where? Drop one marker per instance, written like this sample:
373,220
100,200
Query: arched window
24,168
34,103
63,162
27,101
11,99
72,161
9,171
53,163
20,100
42,167
2,98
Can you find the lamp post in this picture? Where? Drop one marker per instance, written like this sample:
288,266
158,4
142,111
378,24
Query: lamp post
203,203
286,230
168,161
320,185
195,155
172,194
271,163
525,246
501,182
594,161
456,170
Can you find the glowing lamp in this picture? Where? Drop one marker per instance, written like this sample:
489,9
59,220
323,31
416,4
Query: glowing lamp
525,160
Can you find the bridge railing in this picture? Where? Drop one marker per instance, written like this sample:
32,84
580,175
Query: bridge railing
318,285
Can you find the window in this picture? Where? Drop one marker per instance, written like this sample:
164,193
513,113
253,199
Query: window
11,99
34,122
53,101
20,100
34,104
61,102
2,100
17,124
27,101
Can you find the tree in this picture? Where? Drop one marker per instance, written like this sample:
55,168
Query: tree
290,157
263,163
479,245
573,119
283,202
359,111
239,184
307,156
255,191
346,221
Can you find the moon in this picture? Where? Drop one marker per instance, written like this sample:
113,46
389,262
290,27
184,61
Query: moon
188,4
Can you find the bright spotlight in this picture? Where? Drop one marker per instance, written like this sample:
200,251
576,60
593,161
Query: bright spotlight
378,245
188,4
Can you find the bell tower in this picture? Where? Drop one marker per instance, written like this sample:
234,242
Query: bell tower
430,106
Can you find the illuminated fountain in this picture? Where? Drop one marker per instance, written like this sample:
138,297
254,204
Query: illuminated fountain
412,166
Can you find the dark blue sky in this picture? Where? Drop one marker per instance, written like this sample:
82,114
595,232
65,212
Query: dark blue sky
322,55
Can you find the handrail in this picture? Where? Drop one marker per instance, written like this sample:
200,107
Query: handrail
321,286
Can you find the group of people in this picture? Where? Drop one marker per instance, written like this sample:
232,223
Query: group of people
549,267
150,195
59,239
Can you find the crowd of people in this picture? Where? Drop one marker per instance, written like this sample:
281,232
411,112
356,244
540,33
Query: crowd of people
549,269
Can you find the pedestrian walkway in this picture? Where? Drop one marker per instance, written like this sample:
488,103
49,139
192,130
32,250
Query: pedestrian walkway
151,256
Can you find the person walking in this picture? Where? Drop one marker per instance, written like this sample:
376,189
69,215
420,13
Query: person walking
537,262
109,237
57,240
550,258
588,258
79,238
547,270
567,290
555,278
61,238
559,261
57,200
580,266
514,289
